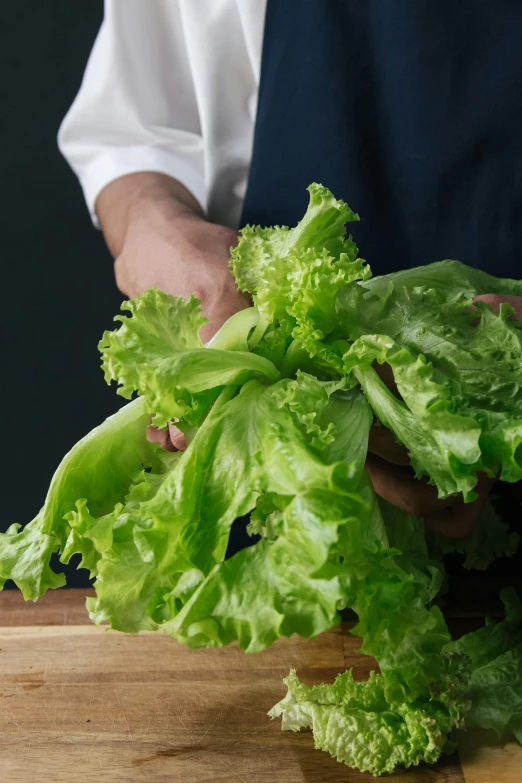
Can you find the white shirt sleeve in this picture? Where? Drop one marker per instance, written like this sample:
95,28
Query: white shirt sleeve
136,109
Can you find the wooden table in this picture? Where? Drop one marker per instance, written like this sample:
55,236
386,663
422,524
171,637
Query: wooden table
83,704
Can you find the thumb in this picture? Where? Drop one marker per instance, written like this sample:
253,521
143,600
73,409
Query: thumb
177,438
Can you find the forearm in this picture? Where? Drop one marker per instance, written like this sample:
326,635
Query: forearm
157,195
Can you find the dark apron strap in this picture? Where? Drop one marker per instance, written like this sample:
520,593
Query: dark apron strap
410,110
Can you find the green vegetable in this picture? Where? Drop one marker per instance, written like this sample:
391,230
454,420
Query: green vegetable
356,724
493,658
277,410
460,382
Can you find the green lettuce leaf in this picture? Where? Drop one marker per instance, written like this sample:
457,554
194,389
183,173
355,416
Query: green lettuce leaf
458,371
322,228
491,670
277,409
179,582
101,467
495,692
157,352
406,534
450,276
25,558
354,723
295,274
442,444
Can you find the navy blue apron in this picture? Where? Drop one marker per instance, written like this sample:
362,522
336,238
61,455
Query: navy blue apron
411,111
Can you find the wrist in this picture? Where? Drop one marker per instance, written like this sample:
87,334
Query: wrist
148,197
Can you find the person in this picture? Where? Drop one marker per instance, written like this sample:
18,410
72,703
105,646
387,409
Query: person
196,117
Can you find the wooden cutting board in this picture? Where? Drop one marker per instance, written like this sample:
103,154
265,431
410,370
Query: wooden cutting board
83,704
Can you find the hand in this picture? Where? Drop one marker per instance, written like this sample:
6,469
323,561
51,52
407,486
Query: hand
184,255
393,479
495,300
397,484
159,237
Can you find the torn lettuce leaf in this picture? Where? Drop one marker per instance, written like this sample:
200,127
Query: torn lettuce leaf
354,722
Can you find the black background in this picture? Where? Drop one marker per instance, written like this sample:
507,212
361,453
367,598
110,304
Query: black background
57,285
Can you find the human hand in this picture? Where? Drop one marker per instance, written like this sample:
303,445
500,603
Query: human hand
172,247
157,233
397,484
159,237
393,479
495,300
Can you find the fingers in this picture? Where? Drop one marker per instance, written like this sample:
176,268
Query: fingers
177,438
382,443
155,435
398,486
171,439
387,460
495,300
458,520
490,299
450,517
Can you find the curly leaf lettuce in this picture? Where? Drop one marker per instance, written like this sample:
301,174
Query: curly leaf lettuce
277,409
490,661
157,352
295,274
322,228
101,467
354,722
458,372
274,588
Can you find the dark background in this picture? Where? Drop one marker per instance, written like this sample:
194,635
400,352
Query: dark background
57,286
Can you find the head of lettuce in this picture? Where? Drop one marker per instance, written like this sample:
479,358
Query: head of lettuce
277,411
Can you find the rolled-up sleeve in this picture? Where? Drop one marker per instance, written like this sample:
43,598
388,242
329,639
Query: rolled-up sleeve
136,109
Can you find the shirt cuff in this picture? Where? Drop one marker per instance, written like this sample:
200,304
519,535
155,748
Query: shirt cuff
130,160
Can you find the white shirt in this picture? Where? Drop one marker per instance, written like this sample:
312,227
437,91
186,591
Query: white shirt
170,86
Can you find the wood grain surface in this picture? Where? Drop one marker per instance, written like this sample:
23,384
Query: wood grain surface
85,704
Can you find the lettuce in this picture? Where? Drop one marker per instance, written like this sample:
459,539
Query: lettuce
354,722
492,659
277,411
458,370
